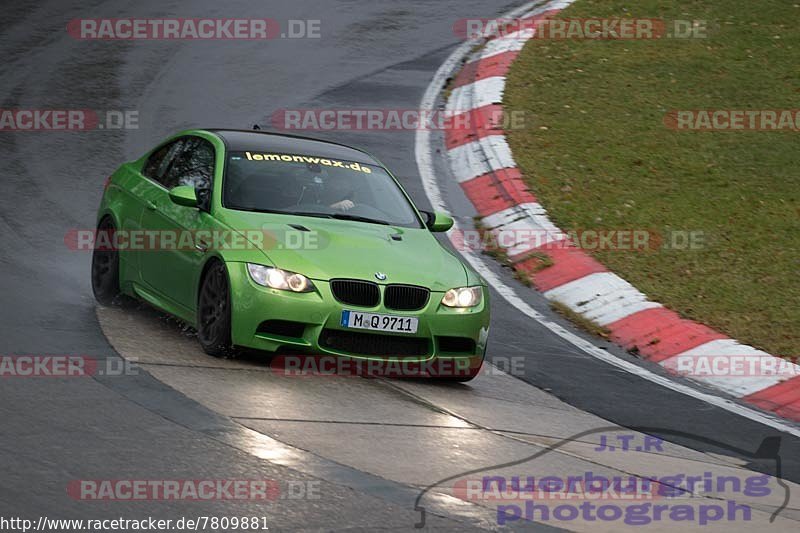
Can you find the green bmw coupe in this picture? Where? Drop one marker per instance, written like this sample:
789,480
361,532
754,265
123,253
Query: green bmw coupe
282,243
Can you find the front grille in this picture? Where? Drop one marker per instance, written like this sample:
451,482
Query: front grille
405,297
374,344
456,345
355,292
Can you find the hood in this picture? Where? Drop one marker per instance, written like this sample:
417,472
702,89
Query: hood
348,249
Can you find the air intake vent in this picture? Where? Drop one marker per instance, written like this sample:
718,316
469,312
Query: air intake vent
405,297
284,328
355,292
388,346
456,345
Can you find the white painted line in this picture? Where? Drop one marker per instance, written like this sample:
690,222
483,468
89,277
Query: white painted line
602,297
424,158
479,157
476,94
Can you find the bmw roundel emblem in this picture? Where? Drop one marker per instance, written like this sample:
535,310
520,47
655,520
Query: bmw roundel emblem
380,276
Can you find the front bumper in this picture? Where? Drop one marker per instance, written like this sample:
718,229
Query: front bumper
320,313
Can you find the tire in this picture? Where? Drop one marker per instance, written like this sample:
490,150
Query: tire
105,267
214,311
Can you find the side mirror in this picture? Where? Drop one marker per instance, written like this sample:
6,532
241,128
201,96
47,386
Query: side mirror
183,195
437,221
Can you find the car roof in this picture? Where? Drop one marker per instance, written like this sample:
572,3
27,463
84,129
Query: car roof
263,141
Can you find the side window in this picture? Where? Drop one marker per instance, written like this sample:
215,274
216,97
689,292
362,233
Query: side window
158,163
194,166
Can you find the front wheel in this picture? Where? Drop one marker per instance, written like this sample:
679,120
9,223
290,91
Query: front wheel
105,265
214,312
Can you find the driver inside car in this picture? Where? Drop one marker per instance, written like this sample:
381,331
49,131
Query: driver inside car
332,188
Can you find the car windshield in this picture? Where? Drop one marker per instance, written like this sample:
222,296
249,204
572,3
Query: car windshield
314,186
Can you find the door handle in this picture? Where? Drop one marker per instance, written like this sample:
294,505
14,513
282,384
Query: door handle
201,246
151,205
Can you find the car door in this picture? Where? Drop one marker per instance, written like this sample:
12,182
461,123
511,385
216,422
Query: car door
171,268
142,189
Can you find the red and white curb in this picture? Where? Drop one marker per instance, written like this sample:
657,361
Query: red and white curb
482,163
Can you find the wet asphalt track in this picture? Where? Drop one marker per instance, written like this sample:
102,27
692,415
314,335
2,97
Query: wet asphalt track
371,54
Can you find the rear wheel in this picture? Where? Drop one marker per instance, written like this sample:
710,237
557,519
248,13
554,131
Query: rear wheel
214,312
105,265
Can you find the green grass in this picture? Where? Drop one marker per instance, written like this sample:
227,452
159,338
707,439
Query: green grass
600,157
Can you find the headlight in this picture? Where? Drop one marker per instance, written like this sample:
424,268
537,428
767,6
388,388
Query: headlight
279,279
463,297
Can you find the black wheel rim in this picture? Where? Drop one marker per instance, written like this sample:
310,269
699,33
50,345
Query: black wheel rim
213,305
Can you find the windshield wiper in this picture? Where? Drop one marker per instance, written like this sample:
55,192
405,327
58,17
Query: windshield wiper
307,214
338,216
345,216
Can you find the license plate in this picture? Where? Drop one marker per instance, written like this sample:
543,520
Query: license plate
396,324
